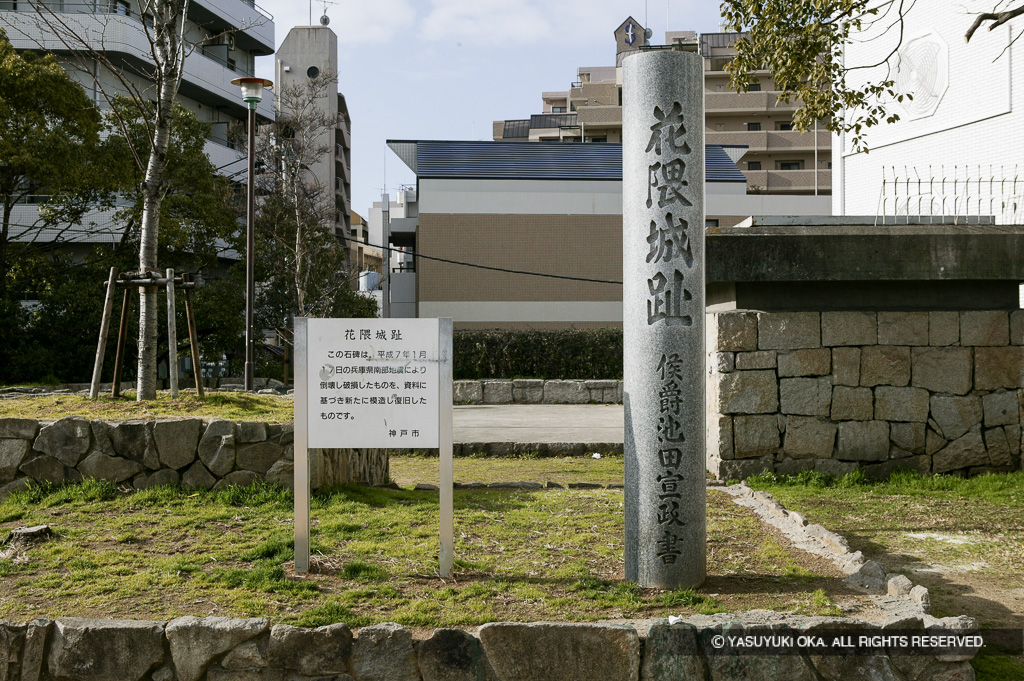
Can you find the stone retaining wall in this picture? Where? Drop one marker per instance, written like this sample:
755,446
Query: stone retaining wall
221,649
196,453
537,391
937,392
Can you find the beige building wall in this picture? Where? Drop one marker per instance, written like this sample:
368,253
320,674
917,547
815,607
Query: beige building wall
587,246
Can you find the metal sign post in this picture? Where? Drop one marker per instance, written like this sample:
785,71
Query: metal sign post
301,454
444,436
376,383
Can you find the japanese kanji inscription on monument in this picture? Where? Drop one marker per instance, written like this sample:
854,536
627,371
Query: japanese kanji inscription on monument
663,317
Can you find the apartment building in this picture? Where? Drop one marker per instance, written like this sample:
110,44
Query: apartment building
755,128
307,52
115,27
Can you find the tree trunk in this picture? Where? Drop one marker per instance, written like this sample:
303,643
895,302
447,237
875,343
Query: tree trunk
5,234
148,308
300,252
169,57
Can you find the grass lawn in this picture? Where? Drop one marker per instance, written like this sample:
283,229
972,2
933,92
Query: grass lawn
961,538
520,556
235,406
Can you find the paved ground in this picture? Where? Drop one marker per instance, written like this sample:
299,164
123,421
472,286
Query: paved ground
583,423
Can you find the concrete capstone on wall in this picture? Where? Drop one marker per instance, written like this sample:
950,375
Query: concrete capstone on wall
936,392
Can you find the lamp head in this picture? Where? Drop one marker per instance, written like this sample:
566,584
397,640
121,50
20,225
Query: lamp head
252,89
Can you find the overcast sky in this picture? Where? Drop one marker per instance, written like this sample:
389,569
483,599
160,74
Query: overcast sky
445,69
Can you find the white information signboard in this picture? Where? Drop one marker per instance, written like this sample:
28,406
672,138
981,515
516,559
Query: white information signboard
372,384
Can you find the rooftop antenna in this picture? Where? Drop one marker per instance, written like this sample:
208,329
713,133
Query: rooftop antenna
324,20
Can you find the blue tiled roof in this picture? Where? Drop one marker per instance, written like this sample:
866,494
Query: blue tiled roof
535,160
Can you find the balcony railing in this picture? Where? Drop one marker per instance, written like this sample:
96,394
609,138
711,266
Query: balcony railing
772,140
600,115
259,9
778,181
545,121
760,102
227,63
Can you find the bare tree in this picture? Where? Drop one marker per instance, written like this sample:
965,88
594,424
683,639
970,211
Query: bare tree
297,209
83,37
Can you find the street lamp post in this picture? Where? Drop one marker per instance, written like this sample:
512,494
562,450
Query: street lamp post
252,94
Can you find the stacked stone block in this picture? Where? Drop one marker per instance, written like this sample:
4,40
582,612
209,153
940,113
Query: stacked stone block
937,392
222,649
537,391
195,453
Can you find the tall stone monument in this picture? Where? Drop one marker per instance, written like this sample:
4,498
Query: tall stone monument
663,317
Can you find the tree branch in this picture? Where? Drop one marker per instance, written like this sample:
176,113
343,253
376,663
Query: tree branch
997,19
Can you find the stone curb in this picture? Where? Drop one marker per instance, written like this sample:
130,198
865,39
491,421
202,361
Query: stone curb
537,391
542,449
903,597
535,486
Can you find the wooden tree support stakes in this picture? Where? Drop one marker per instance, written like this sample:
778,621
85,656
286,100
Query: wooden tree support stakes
101,345
129,281
193,342
122,341
172,337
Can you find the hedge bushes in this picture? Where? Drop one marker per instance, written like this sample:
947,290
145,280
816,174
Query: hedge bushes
573,353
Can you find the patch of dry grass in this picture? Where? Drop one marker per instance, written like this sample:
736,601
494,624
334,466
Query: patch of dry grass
235,406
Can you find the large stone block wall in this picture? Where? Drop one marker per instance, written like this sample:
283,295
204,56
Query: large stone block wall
221,649
937,392
196,453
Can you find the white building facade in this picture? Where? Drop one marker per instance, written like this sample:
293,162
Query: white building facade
957,150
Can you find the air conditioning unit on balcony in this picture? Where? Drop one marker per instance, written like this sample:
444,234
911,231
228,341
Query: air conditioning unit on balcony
229,40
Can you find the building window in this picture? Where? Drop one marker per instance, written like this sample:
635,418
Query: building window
558,109
753,127
753,165
784,125
830,165
754,87
120,7
791,165
711,222
312,72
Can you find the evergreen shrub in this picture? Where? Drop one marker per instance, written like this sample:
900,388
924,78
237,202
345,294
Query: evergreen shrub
566,354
